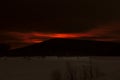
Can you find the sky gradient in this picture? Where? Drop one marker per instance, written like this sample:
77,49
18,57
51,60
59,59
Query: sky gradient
24,22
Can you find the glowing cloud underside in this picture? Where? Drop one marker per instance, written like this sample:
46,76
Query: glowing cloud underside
36,37
102,33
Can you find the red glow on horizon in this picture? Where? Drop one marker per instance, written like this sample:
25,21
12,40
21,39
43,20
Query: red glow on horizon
68,35
36,37
108,32
60,35
32,41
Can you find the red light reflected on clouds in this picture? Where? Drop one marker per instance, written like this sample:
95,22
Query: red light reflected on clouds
32,41
108,32
36,37
104,33
77,35
60,35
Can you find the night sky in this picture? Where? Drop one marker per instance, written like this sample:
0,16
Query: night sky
25,22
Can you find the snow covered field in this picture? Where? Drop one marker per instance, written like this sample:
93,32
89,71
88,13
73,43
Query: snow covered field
62,68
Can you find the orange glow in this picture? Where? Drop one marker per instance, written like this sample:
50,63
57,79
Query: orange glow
107,32
65,36
32,41
60,35
36,37
37,41
102,33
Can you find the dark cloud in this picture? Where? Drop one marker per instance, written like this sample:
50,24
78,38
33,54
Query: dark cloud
57,15
60,17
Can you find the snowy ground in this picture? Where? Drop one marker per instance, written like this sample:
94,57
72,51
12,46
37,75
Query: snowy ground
62,68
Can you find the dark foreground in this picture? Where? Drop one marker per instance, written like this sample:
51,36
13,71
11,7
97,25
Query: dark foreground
62,68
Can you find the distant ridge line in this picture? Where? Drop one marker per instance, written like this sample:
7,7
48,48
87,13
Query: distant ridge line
67,47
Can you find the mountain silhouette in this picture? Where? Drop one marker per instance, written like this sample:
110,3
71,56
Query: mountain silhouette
68,47
4,48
